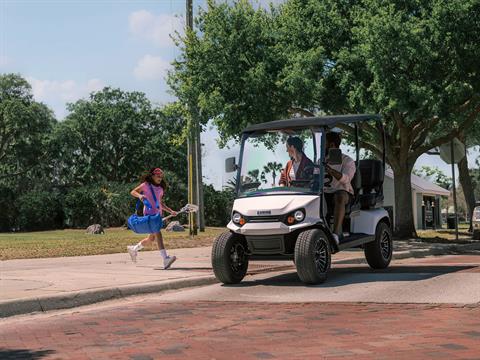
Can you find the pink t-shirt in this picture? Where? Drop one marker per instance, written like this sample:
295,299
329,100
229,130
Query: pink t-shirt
145,190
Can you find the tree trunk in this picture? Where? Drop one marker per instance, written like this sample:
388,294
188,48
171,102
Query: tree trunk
467,186
404,224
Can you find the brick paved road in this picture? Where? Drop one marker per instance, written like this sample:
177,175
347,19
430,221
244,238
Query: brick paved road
210,330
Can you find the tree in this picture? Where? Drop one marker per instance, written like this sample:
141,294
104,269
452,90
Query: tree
435,175
115,135
254,175
271,167
472,138
25,127
413,62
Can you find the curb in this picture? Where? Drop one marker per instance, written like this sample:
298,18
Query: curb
80,298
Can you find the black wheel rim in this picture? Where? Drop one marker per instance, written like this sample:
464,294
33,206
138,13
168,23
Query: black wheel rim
237,257
385,246
321,256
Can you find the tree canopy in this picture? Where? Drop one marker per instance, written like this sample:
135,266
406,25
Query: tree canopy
25,126
414,62
113,134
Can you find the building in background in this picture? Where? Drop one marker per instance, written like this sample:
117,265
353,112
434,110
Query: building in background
425,199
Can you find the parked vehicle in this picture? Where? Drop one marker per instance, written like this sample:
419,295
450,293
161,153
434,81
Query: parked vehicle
292,222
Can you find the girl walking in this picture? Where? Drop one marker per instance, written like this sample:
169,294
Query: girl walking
151,192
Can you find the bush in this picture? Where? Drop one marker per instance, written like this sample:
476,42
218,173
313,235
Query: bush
39,210
106,204
9,212
218,206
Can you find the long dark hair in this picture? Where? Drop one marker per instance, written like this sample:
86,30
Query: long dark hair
148,177
296,142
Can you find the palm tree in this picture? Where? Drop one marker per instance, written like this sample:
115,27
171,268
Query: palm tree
254,175
271,167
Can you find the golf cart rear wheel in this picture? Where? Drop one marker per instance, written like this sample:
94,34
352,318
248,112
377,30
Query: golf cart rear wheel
379,252
229,258
312,256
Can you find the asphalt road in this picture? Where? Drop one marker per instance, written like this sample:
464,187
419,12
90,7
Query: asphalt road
420,308
437,280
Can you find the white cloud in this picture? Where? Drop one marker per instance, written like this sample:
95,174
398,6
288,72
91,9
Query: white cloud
151,68
56,93
156,28
94,85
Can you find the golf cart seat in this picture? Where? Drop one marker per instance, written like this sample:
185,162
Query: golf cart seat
372,175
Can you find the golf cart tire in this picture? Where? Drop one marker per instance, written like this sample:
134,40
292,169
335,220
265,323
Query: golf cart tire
312,256
379,252
224,268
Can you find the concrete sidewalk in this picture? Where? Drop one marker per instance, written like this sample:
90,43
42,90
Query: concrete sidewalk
45,284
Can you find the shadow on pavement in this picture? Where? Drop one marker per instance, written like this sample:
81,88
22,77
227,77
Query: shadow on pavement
186,268
358,275
23,354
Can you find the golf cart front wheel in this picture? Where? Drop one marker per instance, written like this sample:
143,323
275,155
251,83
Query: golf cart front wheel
229,258
379,252
312,256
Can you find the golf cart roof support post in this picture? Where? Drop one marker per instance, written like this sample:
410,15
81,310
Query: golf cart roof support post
357,146
239,169
384,147
322,172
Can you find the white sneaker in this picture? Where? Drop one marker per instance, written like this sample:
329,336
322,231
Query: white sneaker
335,237
168,261
133,253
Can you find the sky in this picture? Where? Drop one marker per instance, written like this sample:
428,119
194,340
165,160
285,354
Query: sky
69,48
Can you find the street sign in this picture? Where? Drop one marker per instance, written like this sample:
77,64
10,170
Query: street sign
458,151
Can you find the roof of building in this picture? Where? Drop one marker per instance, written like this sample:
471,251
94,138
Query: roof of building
422,185
305,122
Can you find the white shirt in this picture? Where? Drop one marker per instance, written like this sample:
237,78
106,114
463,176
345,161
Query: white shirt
347,168
293,169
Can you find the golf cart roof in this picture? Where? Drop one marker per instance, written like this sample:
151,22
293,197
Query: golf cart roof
306,122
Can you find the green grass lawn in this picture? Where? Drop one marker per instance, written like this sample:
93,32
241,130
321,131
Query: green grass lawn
45,244
446,235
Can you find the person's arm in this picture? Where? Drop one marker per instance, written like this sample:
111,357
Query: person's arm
348,171
137,192
164,206
283,176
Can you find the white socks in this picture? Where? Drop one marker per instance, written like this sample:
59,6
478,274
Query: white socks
139,247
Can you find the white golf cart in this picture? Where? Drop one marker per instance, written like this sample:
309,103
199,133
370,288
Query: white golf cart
293,222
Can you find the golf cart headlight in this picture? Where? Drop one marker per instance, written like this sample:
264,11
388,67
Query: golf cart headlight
238,219
299,215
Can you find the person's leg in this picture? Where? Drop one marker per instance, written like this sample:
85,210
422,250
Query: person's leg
341,200
159,238
167,260
328,212
142,243
134,249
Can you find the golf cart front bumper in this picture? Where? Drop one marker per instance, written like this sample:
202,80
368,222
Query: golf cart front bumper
273,238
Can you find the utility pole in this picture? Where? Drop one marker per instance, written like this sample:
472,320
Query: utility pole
195,153
201,212
191,145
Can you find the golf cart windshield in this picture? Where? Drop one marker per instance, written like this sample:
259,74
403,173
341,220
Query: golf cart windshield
265,156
